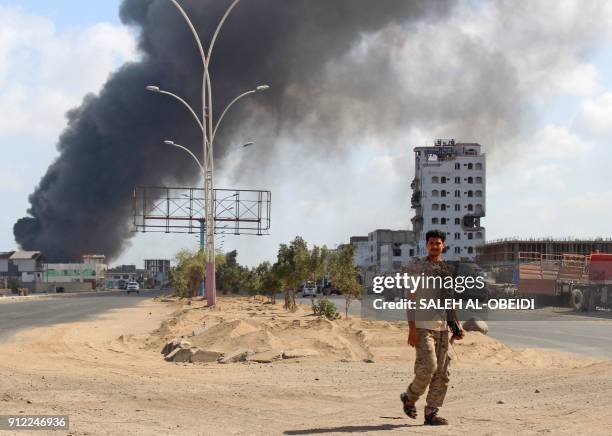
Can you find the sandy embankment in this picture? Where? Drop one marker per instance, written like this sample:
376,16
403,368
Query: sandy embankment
109,376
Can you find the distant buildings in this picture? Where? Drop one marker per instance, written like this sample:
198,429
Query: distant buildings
7,269
86,275
19,264
448,194
362,250
159,270
28,262
155,273
30,271
502,255
117,277
382,251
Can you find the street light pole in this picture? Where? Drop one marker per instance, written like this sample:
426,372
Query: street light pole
207,150
208,133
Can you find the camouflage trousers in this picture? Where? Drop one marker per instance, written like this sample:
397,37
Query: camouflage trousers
430,369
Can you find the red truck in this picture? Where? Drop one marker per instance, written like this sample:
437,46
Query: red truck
583,282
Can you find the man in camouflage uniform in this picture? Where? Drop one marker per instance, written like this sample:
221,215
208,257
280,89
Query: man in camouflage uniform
428,333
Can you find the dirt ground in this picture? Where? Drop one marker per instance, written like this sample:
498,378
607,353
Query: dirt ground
345,376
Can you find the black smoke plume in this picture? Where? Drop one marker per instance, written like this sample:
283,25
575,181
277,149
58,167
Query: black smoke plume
113,141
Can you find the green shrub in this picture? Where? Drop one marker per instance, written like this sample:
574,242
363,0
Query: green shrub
325,308
13,285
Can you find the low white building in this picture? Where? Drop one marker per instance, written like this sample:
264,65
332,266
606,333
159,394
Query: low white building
86,275
383,251
394,256
29,262
75,272
401,244
362,251
4,262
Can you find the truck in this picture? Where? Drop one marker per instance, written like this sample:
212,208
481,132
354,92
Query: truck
583,282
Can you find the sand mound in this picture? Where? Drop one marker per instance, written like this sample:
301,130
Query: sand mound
246,324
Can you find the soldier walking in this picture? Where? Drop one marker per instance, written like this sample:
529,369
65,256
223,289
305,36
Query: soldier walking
428,333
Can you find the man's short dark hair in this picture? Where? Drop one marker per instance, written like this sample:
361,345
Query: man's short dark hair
435,234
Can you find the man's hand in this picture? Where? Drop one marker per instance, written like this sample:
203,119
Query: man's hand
413,337
458,336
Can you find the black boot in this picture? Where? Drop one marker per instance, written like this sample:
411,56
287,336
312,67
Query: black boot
433,419
409,408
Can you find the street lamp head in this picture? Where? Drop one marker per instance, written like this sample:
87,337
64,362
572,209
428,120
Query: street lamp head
167,142
262,88
248,144
153,88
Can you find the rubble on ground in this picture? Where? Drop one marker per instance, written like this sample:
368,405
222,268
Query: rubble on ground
476,325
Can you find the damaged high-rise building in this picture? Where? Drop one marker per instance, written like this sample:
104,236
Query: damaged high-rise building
448,194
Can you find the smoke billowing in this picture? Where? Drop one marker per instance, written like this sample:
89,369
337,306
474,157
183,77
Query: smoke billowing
113,141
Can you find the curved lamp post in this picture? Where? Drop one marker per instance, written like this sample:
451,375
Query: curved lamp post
205,124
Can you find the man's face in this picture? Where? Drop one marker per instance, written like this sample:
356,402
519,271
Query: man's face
435,246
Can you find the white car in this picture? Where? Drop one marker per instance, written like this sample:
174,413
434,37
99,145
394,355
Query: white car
309,289
133,287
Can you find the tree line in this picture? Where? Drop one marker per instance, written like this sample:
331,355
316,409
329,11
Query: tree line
295,264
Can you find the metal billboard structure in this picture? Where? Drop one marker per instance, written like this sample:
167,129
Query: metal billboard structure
181,210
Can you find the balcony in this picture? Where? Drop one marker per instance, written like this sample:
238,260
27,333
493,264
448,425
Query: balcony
415,201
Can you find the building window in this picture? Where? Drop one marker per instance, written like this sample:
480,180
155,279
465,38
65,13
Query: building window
478,179
470,166
478,166
457,193
435,179
411,252
443,193
442,207
457,250
434,220
435,206
470,194
471,207
458,221
457,236
470,250
470,180
443,179
434,193
470,236
458,207
442,220
457,180
478,235
478,193
457,166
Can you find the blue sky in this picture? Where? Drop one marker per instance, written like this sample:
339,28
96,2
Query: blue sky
70,14
554,182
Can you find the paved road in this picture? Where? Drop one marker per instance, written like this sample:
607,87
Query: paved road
66,308
584,334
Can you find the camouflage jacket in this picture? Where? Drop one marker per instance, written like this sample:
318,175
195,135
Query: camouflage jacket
430,268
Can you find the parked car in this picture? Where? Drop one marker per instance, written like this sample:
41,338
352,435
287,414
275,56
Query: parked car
309,289
133,287
329,289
